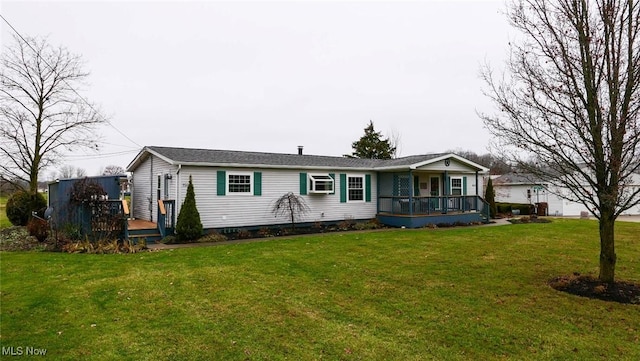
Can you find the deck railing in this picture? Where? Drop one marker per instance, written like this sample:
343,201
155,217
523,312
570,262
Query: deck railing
430,205
166,216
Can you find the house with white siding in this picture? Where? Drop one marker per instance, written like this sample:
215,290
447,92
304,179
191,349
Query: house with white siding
527,189
237,189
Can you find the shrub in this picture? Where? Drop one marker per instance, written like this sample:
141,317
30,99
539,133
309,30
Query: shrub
103,246
243,234
86,190
38,228
72,231
346,225
265,232
490,197
372,224
523,208
213,237
189,226
291,205
21,205
169,240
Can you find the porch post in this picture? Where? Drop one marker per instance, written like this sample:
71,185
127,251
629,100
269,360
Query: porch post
410,193
446,192
378,194
477,194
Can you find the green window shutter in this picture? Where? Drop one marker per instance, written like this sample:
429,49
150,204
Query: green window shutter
221,182
464,186
367,187
343,188
416,186
447,186
257,183
303,183
333,175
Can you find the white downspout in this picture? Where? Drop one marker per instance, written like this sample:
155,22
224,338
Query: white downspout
176,210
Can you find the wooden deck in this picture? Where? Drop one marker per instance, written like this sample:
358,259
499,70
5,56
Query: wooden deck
136,224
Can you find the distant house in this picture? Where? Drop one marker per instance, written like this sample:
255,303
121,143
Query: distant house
236,189
525,188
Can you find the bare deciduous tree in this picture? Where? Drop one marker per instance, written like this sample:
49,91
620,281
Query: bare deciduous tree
570,99
113,170
42,114
395,141
69,171
290,205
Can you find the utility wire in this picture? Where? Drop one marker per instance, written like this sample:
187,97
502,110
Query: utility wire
67,84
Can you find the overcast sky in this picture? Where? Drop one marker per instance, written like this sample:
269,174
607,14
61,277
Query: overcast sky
269,76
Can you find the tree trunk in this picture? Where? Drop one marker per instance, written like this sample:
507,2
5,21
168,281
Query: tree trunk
607,247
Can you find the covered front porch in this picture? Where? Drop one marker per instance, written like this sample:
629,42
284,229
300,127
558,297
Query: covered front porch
445,191
419,211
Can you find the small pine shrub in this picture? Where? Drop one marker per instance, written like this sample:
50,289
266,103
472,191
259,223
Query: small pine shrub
189,226
490,197
22,204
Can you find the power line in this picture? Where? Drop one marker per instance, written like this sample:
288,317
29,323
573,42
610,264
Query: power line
67,84
100,156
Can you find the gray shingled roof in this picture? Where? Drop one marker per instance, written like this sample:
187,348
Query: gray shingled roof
206,157
516,178
215,156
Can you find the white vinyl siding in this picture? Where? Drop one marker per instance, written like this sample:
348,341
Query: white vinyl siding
145,187
228,211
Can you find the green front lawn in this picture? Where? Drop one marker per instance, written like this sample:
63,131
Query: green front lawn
452,294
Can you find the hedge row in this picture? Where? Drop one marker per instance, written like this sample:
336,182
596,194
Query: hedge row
507,208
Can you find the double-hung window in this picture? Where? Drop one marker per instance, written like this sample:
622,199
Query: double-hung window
355,188
239,183
456,186
320,183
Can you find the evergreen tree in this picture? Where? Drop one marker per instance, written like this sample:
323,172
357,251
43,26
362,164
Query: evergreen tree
372,146
189,226
490,197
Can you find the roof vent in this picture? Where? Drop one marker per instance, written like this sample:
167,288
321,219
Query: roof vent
300,147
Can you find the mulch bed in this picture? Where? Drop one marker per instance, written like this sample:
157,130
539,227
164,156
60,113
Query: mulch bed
588,286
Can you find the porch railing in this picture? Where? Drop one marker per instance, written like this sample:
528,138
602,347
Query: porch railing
166,216
430,205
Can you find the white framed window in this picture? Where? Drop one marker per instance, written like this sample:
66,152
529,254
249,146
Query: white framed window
456,186
239,183
321,183
355,188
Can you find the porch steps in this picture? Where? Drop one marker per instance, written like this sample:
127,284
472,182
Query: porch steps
150,235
